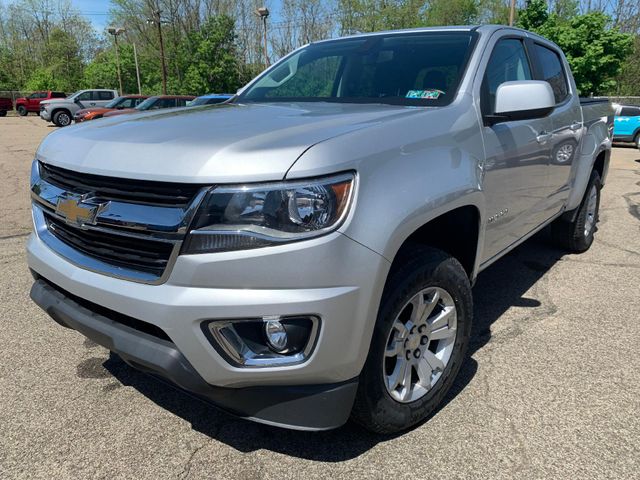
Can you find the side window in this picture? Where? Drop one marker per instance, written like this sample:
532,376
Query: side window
137,102
42,95
508,62
553,72
127,103
104,96
630,112
181,102
85,96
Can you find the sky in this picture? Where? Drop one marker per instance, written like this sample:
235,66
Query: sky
97,11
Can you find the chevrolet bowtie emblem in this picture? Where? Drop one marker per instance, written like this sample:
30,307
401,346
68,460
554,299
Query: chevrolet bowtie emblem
77,211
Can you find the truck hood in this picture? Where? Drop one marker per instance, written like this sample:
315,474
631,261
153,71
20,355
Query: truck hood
209,144
56,100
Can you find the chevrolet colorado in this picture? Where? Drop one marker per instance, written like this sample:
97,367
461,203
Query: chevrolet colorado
305,252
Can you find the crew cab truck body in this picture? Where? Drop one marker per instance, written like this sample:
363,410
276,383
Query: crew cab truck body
31,103
62,110
305,252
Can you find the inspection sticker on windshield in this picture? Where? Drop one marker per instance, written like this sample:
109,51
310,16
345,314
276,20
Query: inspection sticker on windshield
425,94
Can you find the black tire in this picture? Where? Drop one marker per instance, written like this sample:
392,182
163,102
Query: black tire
636,140
22,111
3,113
574,235
62,118
374,408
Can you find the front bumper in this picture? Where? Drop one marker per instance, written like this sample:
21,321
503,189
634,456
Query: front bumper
300,407
44,115
332,277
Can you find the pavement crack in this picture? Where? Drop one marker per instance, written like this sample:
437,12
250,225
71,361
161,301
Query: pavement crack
187,466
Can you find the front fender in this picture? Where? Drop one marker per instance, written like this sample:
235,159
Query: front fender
410,171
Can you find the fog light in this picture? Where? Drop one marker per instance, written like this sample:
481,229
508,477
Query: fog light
276,335
269,341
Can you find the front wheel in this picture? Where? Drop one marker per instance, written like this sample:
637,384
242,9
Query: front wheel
22,111
418,345
62,118
637,141
577,235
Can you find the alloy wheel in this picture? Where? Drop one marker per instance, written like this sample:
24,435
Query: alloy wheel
592,203
420,344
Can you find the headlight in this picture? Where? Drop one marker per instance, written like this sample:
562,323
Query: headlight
258,215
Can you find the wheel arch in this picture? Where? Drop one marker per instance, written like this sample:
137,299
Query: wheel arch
456,232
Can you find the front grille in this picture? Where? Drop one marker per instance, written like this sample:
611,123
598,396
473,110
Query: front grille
128,252
121,189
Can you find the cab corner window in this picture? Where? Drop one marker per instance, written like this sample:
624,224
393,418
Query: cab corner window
553,72
508,63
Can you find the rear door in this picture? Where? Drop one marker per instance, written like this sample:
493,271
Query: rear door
566,123
516,154
102,97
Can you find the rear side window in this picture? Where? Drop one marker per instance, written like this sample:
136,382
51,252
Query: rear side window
553,72
630,112
181,102
58,95
104,96
508,63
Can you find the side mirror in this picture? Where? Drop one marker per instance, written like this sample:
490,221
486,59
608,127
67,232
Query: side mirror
522,100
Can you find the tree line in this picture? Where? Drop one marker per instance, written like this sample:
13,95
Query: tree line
218,45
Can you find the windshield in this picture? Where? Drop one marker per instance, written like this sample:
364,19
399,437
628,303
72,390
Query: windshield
207,101
148,103
115,102
423,68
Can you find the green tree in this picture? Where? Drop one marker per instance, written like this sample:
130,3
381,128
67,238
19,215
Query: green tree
594,47
210,56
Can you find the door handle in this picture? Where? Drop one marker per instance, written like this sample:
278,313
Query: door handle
575,126
543,137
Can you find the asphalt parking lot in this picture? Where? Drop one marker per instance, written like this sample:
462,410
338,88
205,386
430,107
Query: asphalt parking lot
551,388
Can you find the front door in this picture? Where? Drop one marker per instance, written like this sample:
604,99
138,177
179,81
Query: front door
516,156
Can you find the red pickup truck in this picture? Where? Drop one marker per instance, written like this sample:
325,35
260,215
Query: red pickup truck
5,106
31,103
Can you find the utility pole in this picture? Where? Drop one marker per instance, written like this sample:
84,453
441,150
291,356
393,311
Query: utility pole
115,32
157,20
263,13
512,12
135,58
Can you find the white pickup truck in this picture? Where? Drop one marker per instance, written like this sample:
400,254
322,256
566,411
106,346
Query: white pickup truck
305,252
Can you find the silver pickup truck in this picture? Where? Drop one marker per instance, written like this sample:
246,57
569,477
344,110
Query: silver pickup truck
305,252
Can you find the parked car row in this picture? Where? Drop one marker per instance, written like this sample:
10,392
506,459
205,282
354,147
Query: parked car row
84,105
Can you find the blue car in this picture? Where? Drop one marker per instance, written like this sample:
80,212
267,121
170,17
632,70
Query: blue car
210,99
627,124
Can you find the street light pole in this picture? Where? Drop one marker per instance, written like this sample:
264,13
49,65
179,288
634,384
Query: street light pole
115,32
135,58
263,13
157,20
512,12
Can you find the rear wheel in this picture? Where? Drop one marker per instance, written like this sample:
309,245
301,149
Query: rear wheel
577,235
62,118
3,113
419,342
637,140
22,110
